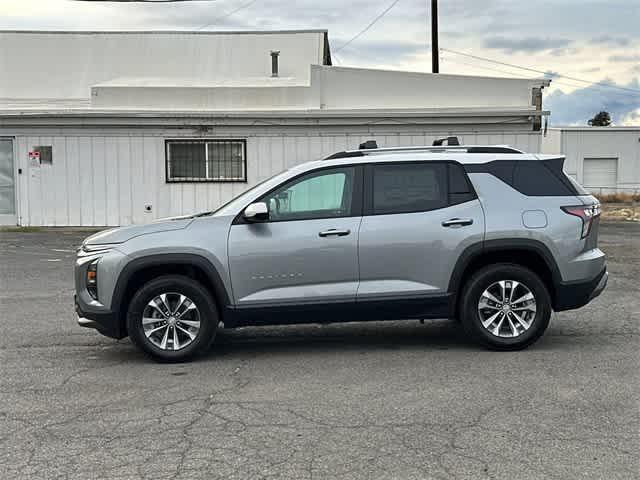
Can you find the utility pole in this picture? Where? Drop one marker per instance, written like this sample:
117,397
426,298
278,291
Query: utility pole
435,49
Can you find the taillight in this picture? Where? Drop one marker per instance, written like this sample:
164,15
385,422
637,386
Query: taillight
586,213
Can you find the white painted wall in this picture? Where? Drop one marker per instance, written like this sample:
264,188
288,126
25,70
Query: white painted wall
101,178
329,88
343,87
269,96
578,143
55,65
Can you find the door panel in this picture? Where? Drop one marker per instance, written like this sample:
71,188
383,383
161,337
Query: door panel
307,252
289,262
413,254
7,183
419,217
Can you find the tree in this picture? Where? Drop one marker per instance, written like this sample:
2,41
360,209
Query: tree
602,119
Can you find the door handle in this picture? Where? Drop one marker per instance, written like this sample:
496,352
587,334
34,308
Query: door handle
334,232
457,222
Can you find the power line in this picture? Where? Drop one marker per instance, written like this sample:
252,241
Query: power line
222,17
373,22
553,74
515,75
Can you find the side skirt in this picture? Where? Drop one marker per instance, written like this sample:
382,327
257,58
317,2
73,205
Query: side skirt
369,310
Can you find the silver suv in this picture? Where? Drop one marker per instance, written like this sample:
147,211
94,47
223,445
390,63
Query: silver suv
491,236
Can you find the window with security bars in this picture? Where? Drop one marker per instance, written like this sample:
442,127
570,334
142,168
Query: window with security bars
206,161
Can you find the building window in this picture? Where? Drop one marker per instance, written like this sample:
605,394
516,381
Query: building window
206,160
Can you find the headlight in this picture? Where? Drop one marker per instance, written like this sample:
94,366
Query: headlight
92,279
98,248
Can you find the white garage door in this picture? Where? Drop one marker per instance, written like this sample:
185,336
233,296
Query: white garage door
600,173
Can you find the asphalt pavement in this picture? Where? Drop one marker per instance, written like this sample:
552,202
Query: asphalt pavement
380,400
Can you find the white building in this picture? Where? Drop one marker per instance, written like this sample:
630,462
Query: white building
603,159
112,128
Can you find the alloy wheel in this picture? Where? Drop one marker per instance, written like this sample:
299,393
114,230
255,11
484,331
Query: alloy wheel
507,308
171,321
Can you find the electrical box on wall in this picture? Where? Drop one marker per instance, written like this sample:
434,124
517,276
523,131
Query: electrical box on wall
45,154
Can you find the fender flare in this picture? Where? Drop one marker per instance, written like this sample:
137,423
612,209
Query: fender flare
183,259
474,251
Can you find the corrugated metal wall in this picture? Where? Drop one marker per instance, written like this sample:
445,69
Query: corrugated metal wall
98,180
620,144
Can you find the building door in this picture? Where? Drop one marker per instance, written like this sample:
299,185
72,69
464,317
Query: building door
7,183
600,175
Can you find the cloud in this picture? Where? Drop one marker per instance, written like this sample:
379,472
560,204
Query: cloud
559,52
611,41
379,51
577,107
624,58
632,118
527,44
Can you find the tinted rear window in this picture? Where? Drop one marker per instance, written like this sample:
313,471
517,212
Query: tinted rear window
579,188
405,188
537,178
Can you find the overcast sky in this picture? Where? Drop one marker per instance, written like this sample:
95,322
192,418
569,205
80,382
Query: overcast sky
595,40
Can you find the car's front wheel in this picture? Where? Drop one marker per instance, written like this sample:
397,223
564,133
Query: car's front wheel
172,318
505,307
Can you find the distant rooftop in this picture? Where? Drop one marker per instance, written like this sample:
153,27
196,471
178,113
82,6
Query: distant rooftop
229,73
44,64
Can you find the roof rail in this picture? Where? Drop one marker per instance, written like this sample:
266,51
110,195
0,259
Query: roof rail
427,149
369,144
452,141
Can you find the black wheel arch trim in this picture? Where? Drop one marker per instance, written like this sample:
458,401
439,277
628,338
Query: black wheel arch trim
182,259
472,252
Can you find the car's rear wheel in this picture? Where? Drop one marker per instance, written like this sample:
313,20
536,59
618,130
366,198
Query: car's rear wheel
172,318
505,307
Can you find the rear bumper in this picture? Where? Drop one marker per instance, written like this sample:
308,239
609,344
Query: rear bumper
574,295
107,323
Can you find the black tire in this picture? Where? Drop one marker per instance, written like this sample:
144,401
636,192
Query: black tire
207,314
486,277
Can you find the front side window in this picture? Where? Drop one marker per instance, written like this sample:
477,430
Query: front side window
406,188
324,194
206,161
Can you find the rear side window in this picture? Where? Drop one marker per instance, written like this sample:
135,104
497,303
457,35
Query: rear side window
536,178
406,188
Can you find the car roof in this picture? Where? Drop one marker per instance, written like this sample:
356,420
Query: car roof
418,155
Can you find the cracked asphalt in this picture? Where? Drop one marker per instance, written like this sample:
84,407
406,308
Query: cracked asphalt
383,400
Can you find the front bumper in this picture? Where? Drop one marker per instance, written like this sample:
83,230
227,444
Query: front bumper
570,296
107,323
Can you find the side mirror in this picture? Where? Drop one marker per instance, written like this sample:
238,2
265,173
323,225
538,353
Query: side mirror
256,212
